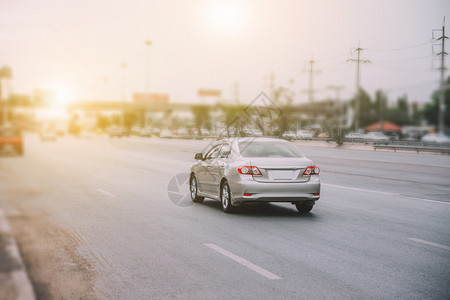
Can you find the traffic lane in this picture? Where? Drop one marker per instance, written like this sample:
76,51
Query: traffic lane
379,156
393,171
422,181
390,187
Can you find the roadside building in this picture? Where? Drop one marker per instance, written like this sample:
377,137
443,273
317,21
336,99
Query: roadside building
390,129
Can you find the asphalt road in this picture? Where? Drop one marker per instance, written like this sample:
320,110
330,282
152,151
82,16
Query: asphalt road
381,229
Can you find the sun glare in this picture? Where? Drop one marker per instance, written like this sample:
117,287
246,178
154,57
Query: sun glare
60,96
226,17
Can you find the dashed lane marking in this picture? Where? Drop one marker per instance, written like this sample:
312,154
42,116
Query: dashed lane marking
429,243
244,262
106,193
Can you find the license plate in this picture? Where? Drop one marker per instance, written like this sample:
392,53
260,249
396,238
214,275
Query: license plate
282,175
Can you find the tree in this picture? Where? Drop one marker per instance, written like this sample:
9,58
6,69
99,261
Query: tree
234,117
416,114
380,104
286,120
367,115
431,110
202,117
102,122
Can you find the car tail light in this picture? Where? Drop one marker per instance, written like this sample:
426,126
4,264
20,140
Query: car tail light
249,170
311,171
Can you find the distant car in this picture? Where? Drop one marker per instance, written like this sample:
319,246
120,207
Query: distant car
135,130
182,132
204,132
355,136
304,135
323,135
156,131
376,137
289,135
439,138
118,132
11,137
243,170
256,132
166,134
145,132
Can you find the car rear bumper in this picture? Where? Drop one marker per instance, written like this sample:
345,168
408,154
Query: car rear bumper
253,191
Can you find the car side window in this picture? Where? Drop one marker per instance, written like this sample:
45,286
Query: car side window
225,151
214,152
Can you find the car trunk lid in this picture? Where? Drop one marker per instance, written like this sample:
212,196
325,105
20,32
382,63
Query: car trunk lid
281,169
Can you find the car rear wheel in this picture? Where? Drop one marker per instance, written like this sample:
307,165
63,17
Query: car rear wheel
225,198
304,208
194,190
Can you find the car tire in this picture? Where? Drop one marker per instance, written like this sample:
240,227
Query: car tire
304,208
193,188
226,198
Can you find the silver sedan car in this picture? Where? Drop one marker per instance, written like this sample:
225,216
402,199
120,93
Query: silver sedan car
240,170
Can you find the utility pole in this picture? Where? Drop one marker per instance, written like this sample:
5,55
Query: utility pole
311,85
441,125
358,84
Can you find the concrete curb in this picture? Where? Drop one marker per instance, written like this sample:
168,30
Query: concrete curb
22,284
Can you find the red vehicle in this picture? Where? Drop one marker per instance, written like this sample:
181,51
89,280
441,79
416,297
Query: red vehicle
12,138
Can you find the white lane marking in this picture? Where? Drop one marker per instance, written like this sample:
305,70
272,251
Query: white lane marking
361,190
244,262
429,243
383,193
428,200
106,193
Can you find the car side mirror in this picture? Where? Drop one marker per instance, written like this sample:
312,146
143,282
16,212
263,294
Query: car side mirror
199,156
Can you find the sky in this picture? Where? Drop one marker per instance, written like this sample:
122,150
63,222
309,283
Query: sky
79,48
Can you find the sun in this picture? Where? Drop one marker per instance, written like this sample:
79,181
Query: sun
58,95
227,17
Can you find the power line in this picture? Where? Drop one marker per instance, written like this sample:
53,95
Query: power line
405,59
402,48
400,69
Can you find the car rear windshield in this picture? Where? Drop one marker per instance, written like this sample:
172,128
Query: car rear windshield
268,149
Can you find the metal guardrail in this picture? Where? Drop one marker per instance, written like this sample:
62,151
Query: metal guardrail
417,148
